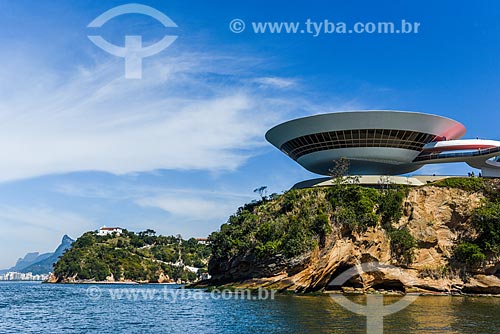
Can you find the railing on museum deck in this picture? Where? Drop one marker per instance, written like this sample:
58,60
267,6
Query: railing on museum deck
477,153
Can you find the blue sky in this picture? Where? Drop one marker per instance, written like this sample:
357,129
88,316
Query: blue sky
182,148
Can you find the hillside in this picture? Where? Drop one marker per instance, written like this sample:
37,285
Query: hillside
131,257
440,237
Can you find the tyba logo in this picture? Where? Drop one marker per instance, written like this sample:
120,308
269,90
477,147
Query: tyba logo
374,310
133,51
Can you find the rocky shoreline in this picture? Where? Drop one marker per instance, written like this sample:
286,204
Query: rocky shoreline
344,291
110,281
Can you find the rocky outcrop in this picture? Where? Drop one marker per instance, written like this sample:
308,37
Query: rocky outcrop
436,217
164,279
52,279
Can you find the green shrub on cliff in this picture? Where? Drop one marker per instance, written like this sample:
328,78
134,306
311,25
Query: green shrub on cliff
321,225
486,219
389,206
402,245
473,184
354,206
469,253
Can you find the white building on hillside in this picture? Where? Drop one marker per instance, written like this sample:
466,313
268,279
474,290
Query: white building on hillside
109,230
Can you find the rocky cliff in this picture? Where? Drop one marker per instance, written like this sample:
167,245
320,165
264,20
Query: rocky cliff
443,241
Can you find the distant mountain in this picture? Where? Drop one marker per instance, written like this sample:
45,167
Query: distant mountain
29,259
40,263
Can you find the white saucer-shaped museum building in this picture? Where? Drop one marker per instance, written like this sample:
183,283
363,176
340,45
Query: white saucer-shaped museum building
381,142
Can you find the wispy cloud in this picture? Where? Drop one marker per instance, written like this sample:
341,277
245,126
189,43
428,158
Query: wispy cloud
191,111
193,208
129,191
42,218
204,209
276,82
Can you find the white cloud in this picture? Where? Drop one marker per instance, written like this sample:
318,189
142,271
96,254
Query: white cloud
192,208
134,191
191,205
188,112
192,211
276,82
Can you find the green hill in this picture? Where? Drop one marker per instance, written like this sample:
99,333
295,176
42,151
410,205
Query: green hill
441,235
141,257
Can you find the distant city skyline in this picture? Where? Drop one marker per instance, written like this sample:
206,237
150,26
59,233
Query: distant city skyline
179,150
15,276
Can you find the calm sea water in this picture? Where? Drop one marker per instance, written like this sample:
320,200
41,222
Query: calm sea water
36,308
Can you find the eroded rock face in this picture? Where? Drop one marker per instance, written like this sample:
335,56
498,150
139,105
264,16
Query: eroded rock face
436,217
164,278
52,278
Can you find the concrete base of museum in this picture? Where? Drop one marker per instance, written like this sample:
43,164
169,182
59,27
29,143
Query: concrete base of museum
376,180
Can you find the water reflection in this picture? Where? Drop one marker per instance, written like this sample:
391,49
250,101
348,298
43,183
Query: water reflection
40,308
428,314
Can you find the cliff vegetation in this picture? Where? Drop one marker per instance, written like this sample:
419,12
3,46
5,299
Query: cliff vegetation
442,237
